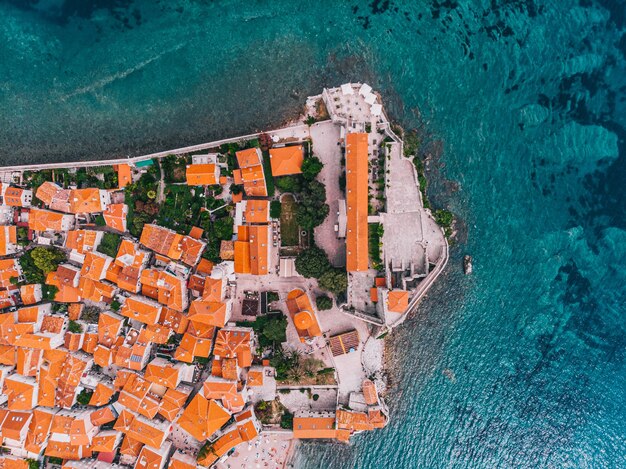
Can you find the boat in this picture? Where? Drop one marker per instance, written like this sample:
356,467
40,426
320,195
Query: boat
467,264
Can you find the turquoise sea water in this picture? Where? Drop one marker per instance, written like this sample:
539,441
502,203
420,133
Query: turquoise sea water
521,364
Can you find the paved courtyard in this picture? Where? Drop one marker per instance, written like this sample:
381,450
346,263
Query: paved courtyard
325,137
267,451
304,399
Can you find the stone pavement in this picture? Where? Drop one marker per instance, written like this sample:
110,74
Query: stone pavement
325,137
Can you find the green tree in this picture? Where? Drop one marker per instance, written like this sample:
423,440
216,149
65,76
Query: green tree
335,281
47,259
275,209
312,209
84,397
311,167
75,327
109,244
236,188
275,329
289,183
49,292
323,302
312,262
223,228
286,421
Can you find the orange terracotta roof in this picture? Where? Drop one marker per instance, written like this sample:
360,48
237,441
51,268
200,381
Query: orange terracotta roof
242,257
8,355
360,421
8,269
286,160
175,320
66,279
142,310
75,310
172,402
196,232
397,301
65,450
149,459
147,432
257,211
202,174
28,361
314,427
31,293
156,333
101,395
357,255
69,380
21,392
159,371
44,220
38,430
234,343
252,250
302,313
170,289
14,197
213,290
202,418
223,445
90,342
205,266
81,241
249,157
211,313
181,460
106,441
255,378
374,294
95,265
115,216
8,239
192,346
14,424
370,393
109,325
102,416
252,173
29,314
47,191
226,391
124,175
237,198
131,447
53,324
238,180
85,200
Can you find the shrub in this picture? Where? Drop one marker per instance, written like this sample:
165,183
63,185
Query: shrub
312,262
323,302
335,281
109,244
286,421
40,261
316,397
49,292
311,167
275,209
84,397
289,183
75,327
